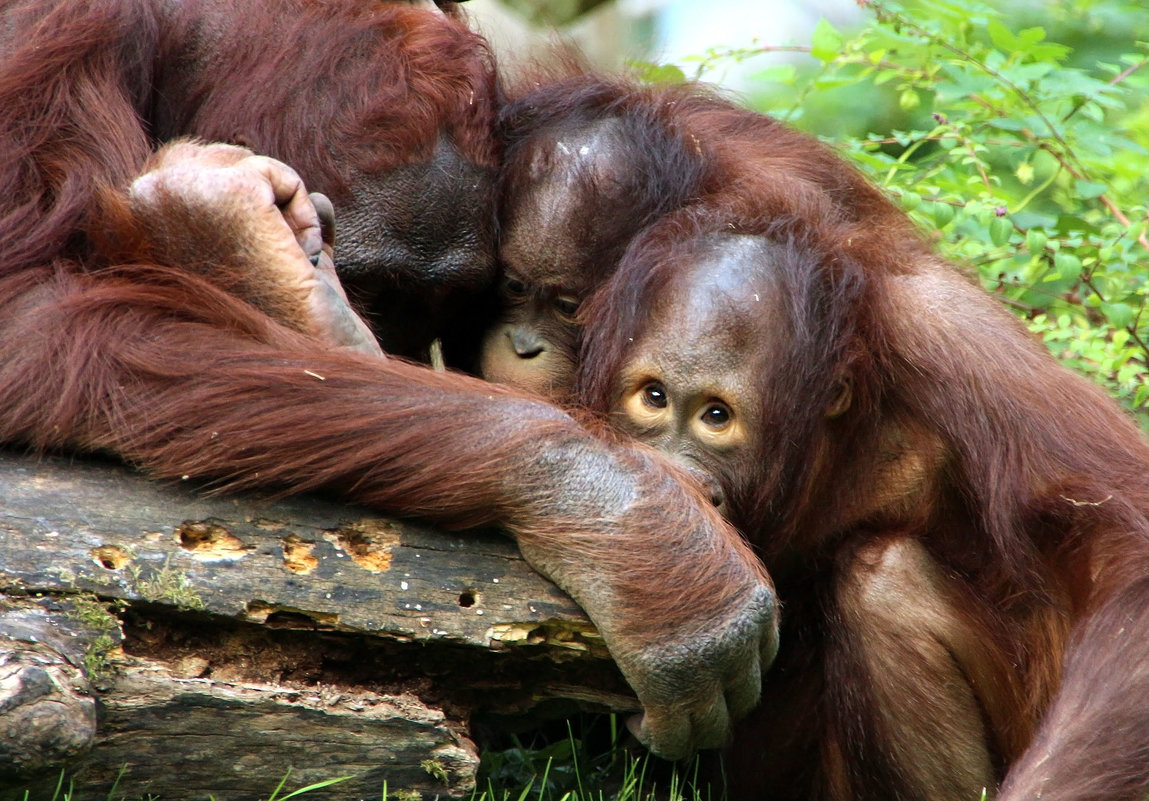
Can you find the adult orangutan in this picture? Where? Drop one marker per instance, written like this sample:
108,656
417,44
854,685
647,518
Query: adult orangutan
177,308
956,525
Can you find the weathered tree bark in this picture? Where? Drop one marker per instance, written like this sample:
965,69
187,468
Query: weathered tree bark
208,645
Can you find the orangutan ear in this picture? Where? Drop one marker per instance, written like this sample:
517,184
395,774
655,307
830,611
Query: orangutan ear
842,400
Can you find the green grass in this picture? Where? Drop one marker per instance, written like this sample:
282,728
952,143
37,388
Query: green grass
594,765
586,759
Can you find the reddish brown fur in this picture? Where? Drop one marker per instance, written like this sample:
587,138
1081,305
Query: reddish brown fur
437,80
101,350
687,146
1032,498
179,384
667,171
1024,485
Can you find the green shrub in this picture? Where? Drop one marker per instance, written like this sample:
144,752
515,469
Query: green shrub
1027,157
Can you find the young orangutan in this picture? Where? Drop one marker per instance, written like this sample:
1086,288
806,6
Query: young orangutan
956,525
587,163
590,161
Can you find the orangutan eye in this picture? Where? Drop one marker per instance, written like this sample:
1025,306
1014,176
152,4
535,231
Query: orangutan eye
716,416
567,305
654,396
514,287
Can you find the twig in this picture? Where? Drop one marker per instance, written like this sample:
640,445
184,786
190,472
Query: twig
1116,80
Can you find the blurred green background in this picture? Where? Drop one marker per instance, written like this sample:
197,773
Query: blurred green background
1016,135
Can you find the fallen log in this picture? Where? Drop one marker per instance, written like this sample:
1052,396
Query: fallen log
189,645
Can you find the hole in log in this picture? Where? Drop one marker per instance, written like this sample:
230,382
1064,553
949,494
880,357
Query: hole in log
112,557
281,618
207,538
468,598
259,610
297,556
285,619
369,544
441,673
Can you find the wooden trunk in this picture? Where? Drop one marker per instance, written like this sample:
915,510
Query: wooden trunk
208,645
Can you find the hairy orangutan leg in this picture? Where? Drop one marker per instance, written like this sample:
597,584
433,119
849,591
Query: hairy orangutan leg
281,237
920,659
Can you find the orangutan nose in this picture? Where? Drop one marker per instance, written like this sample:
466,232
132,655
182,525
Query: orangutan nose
526,343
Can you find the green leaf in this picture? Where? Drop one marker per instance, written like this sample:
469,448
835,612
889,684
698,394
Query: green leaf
658,73
1067,264
1023,74
1000,229
1035,241
826,42
1009,124
1069,223
1031,36
909,100
823,82
1119,315
783,73
1141,396
910,200
1001,36
1090,190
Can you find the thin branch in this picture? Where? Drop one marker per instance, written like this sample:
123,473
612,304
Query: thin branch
1037,190
1129,71
889,66
939,41
1078,173
1081,176
1116,80
1088,281
978,164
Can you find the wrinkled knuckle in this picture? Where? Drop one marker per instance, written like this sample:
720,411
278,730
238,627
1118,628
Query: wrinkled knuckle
662,731
273,166
658,680
757,617
763,603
